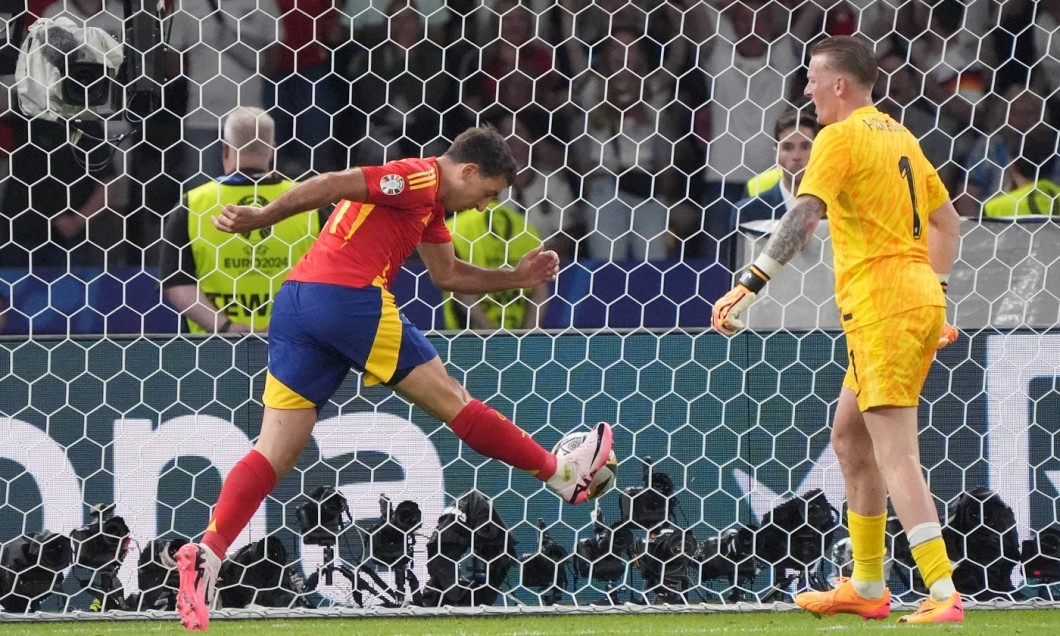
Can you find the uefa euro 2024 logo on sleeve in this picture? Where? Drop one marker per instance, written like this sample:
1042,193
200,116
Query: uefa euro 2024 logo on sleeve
392,184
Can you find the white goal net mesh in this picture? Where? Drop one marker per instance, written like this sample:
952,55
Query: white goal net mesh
647,139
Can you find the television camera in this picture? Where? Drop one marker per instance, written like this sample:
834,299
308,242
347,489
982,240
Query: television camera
81,77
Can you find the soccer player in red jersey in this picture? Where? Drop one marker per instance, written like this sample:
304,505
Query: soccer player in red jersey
335,313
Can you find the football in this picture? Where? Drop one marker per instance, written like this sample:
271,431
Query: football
604,479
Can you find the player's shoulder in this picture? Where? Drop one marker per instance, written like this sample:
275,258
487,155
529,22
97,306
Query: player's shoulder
411,166
403,178
834,135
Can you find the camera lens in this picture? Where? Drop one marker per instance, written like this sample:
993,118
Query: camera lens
407,515
86,84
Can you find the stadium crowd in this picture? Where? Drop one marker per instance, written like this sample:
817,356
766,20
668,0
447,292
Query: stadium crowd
642,123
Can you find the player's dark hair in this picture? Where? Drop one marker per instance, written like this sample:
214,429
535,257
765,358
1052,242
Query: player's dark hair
851,56
794,118
487,148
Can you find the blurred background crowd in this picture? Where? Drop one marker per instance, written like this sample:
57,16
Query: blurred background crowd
641,125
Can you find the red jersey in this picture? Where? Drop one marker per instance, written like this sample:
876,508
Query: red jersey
364,244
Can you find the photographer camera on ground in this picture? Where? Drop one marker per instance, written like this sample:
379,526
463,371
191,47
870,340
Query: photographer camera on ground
650,505
546,569
261,574
468,555
729,556
795,536
388,542
31,568
100,547
393,542
665,563
605,556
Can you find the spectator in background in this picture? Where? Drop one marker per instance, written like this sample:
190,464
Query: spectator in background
1046,30
104,14
1022,110
223,283
1032,192
222,51
955,55
541,191
10,124
1016,43
750,57
590,23
1044,45
899,93
63,202
515,69
794,132
301,92
399,89
498,237
622,154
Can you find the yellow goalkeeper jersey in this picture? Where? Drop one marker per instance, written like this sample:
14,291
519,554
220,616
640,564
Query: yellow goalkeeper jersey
879,190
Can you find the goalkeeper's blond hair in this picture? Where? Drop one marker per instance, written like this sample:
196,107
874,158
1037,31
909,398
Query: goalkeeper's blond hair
251,133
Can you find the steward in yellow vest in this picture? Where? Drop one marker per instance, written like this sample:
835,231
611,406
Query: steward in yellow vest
496,237
1029,194
222,282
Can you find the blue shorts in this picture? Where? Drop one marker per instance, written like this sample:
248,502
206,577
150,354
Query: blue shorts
318,332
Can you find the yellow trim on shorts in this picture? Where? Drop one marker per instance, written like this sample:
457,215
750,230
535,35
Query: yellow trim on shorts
278,396
383,358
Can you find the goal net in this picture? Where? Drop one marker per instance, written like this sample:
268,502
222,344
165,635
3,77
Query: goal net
641,128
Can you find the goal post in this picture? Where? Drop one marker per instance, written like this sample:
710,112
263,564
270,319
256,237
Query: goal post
117,429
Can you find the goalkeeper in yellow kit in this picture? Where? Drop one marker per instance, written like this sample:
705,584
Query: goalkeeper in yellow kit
894,233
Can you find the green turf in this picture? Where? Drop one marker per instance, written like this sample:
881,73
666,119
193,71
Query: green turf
1007,623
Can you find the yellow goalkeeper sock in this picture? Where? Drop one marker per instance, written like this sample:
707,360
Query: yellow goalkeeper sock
867,543
932,560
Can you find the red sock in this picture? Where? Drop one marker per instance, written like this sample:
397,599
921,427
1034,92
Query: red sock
250,481
490,433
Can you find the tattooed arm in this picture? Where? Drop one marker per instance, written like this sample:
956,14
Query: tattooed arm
795,228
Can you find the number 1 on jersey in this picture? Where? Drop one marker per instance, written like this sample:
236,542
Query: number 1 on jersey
907,171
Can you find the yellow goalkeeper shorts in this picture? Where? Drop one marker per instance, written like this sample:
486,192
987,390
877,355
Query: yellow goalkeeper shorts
888,361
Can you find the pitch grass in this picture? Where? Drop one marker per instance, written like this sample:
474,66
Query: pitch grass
1008,623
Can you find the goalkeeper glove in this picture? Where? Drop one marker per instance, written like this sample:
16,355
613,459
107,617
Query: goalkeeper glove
948,336
949,332
727,311
726,316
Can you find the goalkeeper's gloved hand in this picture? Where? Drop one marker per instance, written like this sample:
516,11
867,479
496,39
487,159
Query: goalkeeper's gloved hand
948,336
727,311
728,308
949,332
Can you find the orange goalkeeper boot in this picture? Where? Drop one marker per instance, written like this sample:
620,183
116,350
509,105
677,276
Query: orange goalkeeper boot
931,611
844,600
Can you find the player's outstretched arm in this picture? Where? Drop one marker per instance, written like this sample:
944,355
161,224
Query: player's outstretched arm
795,228
308,196
449,273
